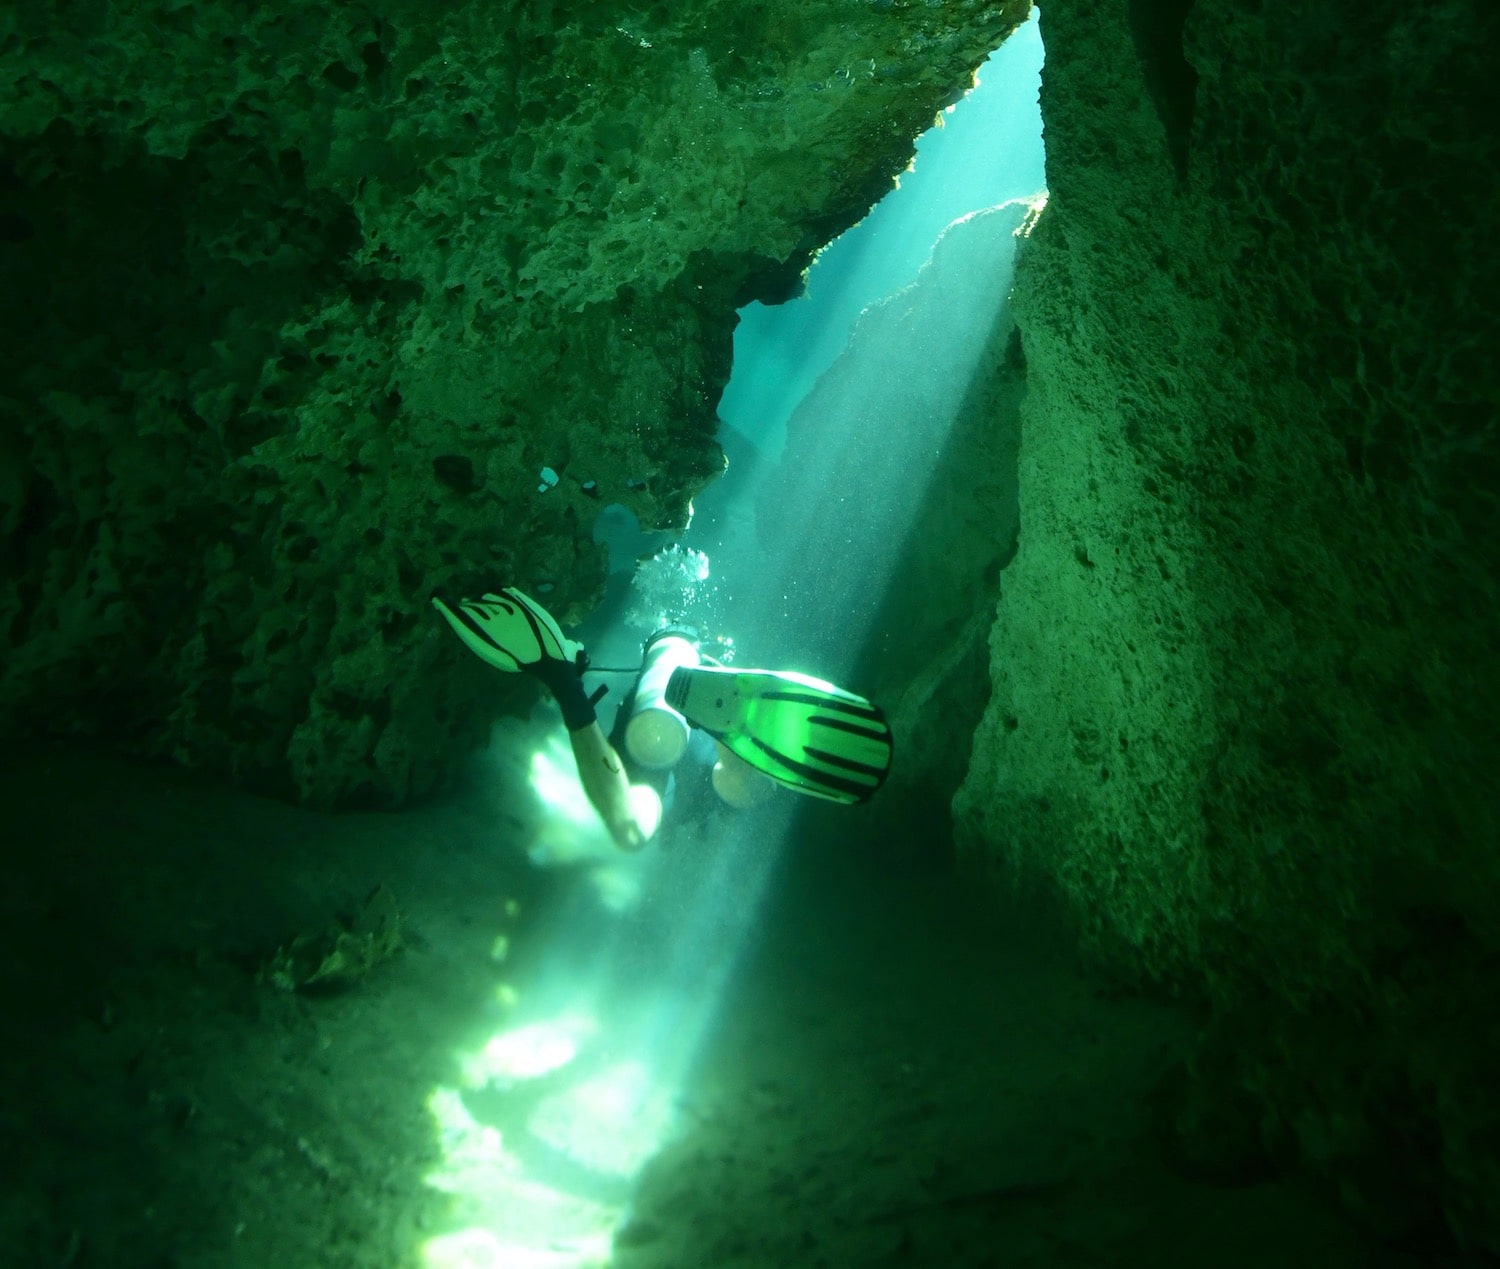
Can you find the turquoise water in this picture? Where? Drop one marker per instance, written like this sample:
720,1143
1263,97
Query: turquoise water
988,150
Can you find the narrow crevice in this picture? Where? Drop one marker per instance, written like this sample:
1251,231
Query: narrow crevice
1156,26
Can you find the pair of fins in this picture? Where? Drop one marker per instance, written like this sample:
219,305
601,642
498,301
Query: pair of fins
800,731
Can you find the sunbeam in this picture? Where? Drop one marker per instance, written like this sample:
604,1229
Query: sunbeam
560,1106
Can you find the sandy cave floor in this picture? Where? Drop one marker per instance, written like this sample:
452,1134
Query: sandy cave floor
901,1073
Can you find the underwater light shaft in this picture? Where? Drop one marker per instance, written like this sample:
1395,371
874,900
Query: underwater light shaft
804,539
987,151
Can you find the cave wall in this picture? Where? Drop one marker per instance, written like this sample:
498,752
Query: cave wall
301,301
1244,662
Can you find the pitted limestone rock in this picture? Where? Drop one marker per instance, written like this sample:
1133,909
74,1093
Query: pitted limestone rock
304,301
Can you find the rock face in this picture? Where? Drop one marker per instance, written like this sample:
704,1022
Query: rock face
301,304
1244,664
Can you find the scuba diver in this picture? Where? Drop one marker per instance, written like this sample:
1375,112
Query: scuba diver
793,729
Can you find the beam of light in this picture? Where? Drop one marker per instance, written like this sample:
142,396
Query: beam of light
503,1219
530,770
987,151
835,514
559,1103
808,524
554,1113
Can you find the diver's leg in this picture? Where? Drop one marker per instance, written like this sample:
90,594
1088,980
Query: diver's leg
512,632
602,775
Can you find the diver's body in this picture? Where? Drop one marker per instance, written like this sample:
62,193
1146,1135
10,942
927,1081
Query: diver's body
797,731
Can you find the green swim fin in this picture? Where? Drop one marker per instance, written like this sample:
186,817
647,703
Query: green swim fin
510,631
802,732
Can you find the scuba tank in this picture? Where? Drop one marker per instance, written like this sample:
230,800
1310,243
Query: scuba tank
656,735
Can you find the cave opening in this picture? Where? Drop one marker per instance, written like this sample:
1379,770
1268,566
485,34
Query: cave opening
982,151
839,406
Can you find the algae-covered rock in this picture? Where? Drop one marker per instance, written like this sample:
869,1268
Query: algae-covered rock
301,302
1244,666
341,955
